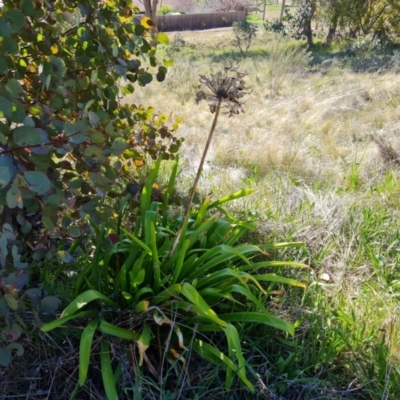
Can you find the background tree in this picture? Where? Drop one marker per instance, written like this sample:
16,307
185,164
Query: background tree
380,18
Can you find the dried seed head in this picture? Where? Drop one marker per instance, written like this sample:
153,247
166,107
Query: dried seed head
223,89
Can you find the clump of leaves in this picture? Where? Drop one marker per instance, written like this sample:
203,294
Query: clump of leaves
275,26
165,9
284,59
66,140
165,306
244,33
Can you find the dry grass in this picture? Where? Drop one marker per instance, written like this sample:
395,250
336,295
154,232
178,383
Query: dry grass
316,127
322,154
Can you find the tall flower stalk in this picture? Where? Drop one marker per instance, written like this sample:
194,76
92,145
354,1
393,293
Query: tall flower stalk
222,91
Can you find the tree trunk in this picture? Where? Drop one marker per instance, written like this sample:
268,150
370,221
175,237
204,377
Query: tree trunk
331,30
265,6
307,24
282,10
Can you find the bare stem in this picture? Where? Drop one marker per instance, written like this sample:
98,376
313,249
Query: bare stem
196,181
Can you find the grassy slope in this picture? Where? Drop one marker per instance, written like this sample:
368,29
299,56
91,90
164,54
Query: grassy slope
309,145
315,145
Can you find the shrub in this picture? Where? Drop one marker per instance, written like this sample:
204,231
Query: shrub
284,59
275,26
67,143
244,34
165,9
66,140
296,26
178,43
370,53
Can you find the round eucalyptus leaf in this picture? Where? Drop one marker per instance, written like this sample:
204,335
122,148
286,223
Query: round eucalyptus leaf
9,45
25,136
29,122
97,137
14,198
74,232
5,356
18,114
14,87
34,295
93,119
42,151
13,332
36,110
160,76
6,107
16,20
3,64
8,231
162,38
28,7
21,219
119,145
26,228
37,181
5,27
3,308
145,79
5,176
50,304
19,265
78,138
18,347
11,301
58,65
48,223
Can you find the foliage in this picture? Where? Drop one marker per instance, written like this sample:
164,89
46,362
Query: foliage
244,33
359,17
275,26
165,9
297,26
284,59
133,291
67,143
367,45
178,43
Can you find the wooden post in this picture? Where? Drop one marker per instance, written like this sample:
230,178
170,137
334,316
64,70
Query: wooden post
265,6
282,10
